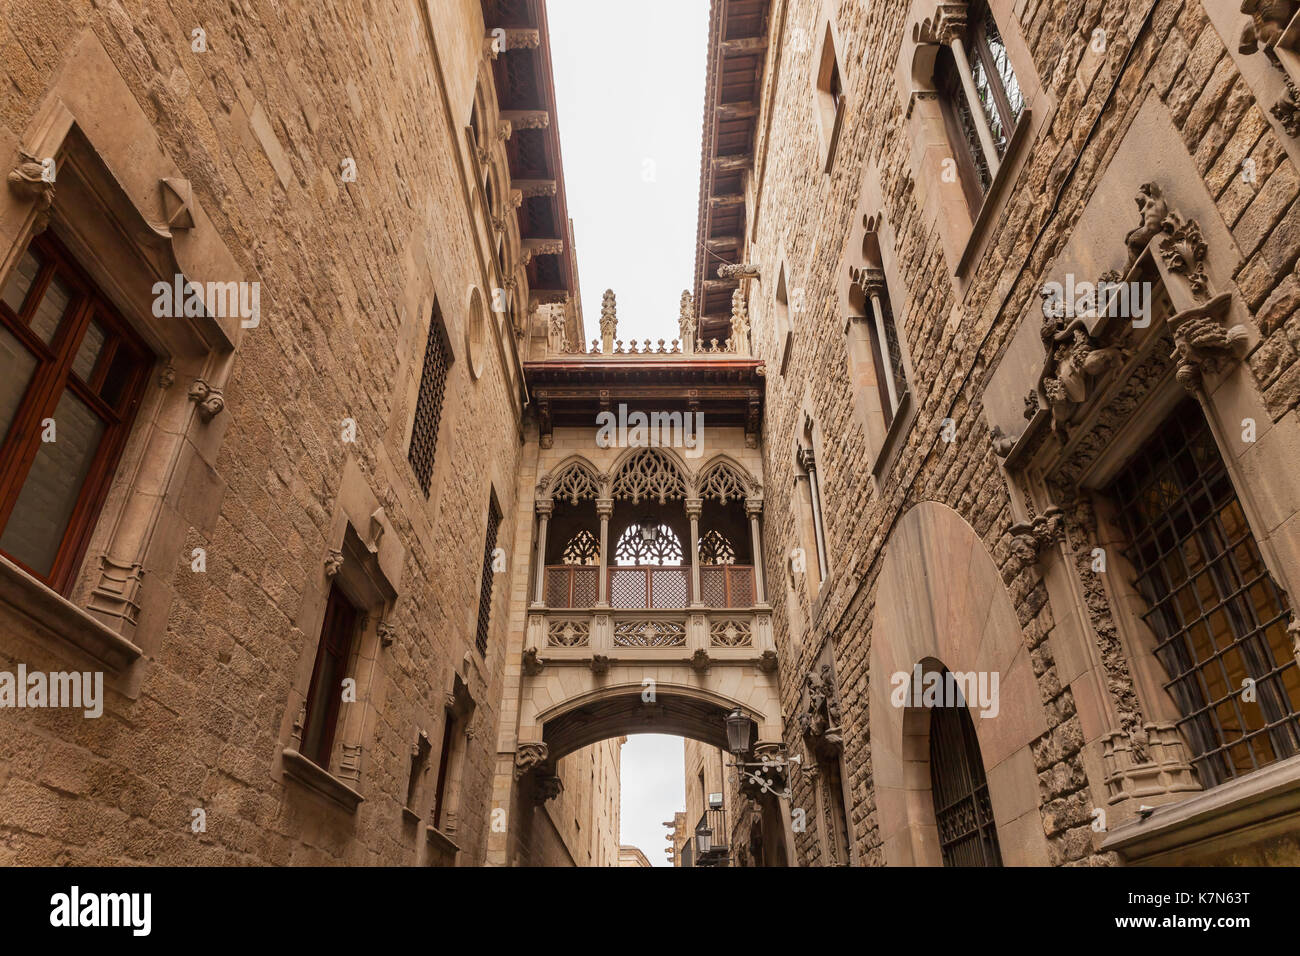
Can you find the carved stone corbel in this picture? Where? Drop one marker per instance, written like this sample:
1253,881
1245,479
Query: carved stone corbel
1002,442
529,756
30,181
1031,539
547,788
599,664
700,660
333,563
177,197
532,664
742,270
1146,765
768,662
208,398
819,721
386,632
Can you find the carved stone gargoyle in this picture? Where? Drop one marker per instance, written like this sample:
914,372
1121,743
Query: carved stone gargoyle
529,756
820,719
546,788
209,399
1075,363
1268,21
1029,539
532,664
33,180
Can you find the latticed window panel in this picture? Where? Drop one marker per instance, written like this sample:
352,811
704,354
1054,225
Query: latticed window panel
632,548
669,588
716,549
727,585
583,548
962,810
648,475
642,633
731,634
428,406
660,588
992,65
485,588
568,633
571,586
1218,616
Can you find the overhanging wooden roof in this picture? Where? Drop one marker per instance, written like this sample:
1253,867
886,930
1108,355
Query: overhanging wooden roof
525,89
725,391
733,87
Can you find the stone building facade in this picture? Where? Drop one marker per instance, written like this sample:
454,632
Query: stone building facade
1094,503
976,510
266,512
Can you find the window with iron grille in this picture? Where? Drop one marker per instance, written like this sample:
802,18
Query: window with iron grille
962,810
428,407
1218,617
485,589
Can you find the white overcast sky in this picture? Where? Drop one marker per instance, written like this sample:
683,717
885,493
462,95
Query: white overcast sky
629,87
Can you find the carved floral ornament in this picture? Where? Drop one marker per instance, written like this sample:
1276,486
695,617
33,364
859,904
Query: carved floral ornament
1082,351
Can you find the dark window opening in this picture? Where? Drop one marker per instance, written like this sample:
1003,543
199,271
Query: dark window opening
485,588
325,693
428,407
962,809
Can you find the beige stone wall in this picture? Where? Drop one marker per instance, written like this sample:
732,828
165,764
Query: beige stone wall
259,123
957,324
586,814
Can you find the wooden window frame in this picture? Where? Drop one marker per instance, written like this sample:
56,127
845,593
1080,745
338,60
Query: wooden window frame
51,379
494,520
339,627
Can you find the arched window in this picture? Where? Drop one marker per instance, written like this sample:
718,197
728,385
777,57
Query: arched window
981,96
716,549
583,548
655,544
962,810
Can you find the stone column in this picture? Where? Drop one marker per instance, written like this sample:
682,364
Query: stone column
754,508
952,24
873,284
694,506
544,508
604,508
814,493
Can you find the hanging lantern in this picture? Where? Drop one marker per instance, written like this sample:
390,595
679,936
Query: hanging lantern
649,531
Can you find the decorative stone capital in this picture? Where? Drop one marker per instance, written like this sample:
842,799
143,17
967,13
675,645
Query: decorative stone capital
1146,765
544,507
208,398
871,282
754,507
950,22
604,507
529,756
694,507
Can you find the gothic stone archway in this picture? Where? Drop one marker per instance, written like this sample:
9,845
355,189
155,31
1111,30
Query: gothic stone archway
941,599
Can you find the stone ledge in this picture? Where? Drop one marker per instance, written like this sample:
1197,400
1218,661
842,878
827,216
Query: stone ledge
1237,812
409,815
440,840
305,771
59,616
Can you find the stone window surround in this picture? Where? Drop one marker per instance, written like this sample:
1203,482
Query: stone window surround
883,443
965,236
125,212
829,120
460,706
783,323
1226,399
825,657
364,558
810,522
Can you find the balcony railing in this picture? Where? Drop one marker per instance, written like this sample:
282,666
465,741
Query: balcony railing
725,634
649,588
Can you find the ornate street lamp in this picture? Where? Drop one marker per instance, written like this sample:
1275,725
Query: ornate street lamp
739,728
703,841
